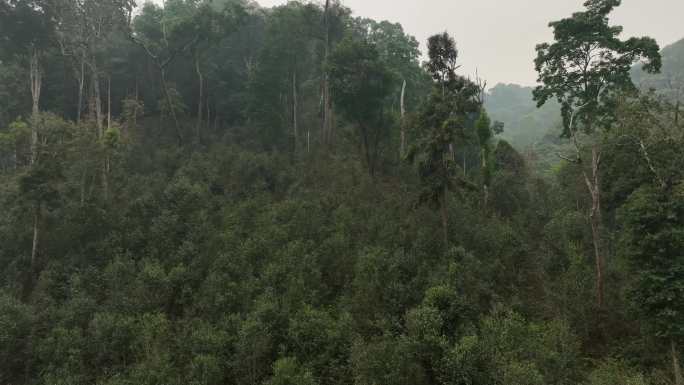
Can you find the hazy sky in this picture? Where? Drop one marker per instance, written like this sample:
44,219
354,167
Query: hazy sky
497,37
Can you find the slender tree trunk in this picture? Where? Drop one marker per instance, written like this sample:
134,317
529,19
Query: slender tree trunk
81,84
295,108
445,217
208,115
366,149
595,217
485,188
137,107
327,113
105,178
99,121
200,79
36,235
172,108
465,164
36,78
649,162
97,99
327,103
679,378
109,102
402,150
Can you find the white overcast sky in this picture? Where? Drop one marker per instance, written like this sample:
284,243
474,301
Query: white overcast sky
497,37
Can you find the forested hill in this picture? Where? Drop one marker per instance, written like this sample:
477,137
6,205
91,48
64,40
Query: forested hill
524,123
536,131
669,82
219,193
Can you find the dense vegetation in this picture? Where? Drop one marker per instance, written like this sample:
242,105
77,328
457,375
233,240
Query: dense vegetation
218,193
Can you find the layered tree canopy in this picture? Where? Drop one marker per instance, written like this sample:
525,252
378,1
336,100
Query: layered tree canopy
214,192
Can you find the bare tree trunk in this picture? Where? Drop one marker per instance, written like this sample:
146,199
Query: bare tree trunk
99,123
172,108
106,168
366,149
403,126
595,217
295,107
445,217
81,84
677,369
200,79
137,107
327,103
105,178
36,235
465,165
208,115
109,102
36,78
97,100
327,113
649,163
485,199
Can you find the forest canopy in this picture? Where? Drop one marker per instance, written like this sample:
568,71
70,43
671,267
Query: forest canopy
215,192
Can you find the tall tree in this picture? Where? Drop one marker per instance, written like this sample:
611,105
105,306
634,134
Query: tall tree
400,53
326,97
29,26
485,133
29,30
442,121
287,73
84,32
334,26
160,32
585,68
207,24
361,83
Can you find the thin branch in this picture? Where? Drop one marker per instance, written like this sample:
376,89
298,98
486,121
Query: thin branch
575,161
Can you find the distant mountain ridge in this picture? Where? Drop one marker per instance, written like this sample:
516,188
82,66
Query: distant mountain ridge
536,131
670,80
525,124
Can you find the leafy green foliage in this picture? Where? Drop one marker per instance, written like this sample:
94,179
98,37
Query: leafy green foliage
653,240
127,257
361,83
588,65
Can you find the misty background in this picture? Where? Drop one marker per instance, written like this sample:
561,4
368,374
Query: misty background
497,38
